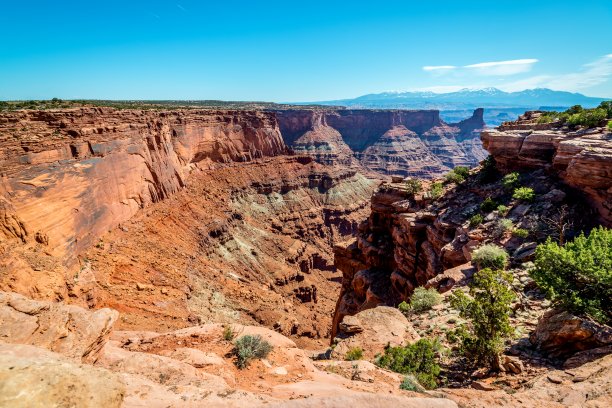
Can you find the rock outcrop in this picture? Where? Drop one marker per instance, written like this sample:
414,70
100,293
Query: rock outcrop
581,158
410,143
561,334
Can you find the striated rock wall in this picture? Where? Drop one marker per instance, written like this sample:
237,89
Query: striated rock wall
582,159
385,142
67,176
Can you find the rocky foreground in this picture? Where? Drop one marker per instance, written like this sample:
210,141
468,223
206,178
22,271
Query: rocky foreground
58,355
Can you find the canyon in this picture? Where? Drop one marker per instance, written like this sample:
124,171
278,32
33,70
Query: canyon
379,142
131,240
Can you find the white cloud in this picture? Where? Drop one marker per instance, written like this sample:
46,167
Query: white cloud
502,68
438,67
592,74
495,68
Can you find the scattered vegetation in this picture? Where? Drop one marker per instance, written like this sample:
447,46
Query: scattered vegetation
250,347
577,116
354,354
476,220
524,194
487,307
490,256
413,186
424,299
578,276
610,125
436,190
511,181
419,359
488,205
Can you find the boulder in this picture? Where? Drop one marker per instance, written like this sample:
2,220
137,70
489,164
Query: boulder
380,326
69,330
561,334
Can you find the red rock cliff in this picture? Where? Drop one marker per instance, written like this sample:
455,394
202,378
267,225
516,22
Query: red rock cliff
69,175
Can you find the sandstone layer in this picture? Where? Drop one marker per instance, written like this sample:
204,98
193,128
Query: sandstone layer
409,143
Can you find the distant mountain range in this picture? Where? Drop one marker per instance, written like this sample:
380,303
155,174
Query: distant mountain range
499,105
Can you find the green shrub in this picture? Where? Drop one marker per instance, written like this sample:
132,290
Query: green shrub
404,308
424,299
506,224
462,171
610,125
488,172
228,333
502,209
250,347
578,276
511,180
524,194
418,359
520,233
436,190
356,353
413,186
476,220
410,383
490,256
607,106
487,308
452,177
574,110
588,118
488,205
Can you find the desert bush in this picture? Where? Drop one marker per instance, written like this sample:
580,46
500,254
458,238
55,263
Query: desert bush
436,190
588,117
462,171
501,226
413,186
487,307
578,276
356,353
452,177
418,359
490,256
250,347
520,232
476,220
524,194
506,224
607,106
502,209
488,172
410,383
228,333
488,205
574,110
511,181
610,125
424,299
404,308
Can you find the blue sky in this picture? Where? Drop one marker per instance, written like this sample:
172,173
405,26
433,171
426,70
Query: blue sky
299,51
